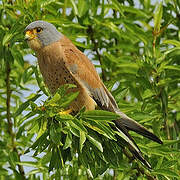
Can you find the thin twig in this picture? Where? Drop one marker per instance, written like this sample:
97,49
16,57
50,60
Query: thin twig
64,8
115,175
8,93
8,112
95,43
154,46
165,115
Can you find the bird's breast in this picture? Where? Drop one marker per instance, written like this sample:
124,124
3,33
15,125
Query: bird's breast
56,73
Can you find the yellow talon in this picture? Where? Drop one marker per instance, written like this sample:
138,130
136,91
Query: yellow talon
66,112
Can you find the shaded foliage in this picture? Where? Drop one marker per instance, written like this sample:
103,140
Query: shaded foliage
135,46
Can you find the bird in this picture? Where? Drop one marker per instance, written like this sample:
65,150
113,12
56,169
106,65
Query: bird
61,62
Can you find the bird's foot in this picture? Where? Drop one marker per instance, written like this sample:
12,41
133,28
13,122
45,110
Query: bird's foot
68,111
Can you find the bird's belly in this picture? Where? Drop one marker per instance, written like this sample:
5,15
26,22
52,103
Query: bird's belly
57,75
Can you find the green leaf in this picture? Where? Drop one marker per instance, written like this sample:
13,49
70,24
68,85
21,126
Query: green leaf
7,38
129,68
172,50
40,81
165,143
135,11
27,74
28,163
54,99
13,159
77,124
75,9
106,130
83,7
175,67
53,160
55,136
100,115
169,163
82,140
118,6
24,105
166,172
68,141
139,32
39,140
46,3
56,159
173,42
63,117
60,162
158,17
95,142
67,99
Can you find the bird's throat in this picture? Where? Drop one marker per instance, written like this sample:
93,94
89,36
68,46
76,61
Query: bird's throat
35,44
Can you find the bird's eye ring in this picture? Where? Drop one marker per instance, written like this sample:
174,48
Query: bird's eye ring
38,30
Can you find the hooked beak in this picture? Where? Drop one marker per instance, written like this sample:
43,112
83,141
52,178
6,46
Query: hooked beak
29,35
26,37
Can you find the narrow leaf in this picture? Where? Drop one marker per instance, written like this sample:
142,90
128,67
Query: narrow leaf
166,172
95,142
23,106
100,115
158,17
68,141
82,140
173,42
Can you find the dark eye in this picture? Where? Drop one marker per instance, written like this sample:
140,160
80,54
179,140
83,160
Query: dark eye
38,30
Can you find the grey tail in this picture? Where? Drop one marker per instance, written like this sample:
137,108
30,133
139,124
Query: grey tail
132,146
132,125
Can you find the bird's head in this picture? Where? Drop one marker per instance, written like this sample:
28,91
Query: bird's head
40,33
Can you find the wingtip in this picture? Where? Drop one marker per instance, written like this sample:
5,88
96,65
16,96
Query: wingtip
152,137
139,156
160,142
147,165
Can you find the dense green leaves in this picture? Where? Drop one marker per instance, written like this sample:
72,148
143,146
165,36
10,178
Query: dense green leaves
136,45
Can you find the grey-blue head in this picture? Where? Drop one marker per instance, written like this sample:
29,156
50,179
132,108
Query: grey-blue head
44,31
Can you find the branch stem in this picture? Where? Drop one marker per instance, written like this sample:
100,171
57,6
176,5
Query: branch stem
9,120
95,43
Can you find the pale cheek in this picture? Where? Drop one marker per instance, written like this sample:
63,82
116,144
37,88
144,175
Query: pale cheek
35,44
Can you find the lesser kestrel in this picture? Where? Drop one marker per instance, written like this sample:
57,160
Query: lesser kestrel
61,62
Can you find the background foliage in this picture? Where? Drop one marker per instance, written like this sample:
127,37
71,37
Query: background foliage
135,46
